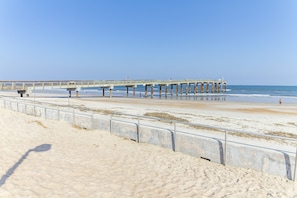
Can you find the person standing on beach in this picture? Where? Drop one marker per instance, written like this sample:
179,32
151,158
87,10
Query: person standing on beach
280,101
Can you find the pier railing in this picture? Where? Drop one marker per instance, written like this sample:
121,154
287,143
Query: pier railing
261,152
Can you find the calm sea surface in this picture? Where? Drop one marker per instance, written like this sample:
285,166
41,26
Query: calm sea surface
270,94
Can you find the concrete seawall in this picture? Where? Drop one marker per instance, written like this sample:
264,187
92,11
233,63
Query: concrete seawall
272,160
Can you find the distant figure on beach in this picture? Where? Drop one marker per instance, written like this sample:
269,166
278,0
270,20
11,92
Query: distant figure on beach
280,101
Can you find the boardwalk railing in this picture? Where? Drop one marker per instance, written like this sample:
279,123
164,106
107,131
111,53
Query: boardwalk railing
220,145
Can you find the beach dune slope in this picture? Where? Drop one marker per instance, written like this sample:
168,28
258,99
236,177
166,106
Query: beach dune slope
45,158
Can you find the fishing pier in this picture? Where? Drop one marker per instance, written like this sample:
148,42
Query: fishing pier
166,87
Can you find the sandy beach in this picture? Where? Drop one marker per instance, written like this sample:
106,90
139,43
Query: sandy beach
46,158
265,118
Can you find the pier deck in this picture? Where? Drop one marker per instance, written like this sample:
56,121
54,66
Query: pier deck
200,86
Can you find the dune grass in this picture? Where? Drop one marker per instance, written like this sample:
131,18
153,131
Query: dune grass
165,116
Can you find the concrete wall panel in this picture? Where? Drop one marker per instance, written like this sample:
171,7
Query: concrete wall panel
156,136
127,130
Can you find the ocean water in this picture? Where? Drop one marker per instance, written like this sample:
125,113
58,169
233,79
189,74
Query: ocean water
265,94
238,93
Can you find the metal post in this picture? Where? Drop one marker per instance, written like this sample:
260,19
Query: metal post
73,117
225,156
294,179
110,124
174,136
92,124
138,125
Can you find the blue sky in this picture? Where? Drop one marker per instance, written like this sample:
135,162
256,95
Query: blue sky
244,42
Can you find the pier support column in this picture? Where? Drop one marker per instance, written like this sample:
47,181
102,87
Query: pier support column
219,87
207,87
176,91
202,88
152,91
160,91
195,88
166,91
103,92
212,87
181,89
70,90
145,91
127,93
187,89
134,91
21,92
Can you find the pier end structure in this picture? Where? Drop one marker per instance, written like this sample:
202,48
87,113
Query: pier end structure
181,86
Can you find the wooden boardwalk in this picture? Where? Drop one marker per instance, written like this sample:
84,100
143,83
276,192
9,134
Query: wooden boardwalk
170,86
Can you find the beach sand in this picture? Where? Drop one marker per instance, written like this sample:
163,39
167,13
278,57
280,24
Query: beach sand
94,163
261,118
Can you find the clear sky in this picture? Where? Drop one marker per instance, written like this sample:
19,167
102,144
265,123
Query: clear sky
242,41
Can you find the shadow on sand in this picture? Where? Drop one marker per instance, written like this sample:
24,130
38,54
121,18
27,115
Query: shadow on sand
40,148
